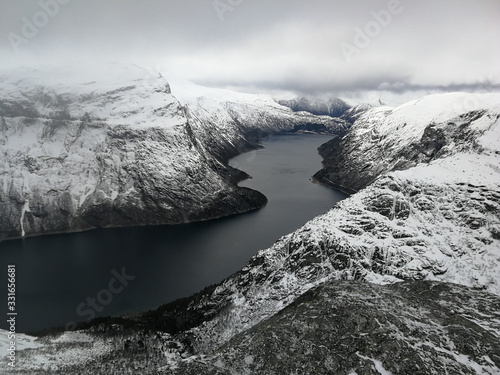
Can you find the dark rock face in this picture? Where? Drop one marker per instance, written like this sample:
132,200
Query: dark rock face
338,172
185,196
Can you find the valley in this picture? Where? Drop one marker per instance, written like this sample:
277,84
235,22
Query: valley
414,248
172,261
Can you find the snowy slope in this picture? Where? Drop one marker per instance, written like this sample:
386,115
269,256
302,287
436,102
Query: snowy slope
249,111
43,354
22,341
121,94
78,154
340,327
401,126
115,147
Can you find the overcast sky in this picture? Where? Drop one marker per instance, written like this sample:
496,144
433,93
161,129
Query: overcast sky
304,46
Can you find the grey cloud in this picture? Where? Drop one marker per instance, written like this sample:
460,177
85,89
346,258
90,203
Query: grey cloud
269,45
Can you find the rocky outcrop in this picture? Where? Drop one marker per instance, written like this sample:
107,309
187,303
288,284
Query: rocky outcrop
120,148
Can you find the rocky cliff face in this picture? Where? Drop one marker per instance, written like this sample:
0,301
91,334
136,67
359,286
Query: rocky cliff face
119,148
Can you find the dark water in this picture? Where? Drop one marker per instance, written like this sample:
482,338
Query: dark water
59,274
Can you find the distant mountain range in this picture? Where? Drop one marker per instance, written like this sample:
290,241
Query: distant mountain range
333,107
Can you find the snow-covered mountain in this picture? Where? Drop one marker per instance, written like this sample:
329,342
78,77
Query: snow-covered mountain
426,211
419,132
438,219
120,146
334,107
344,327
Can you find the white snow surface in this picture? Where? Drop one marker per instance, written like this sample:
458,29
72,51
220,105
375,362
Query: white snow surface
120,94
22,342
406,124
33,354
190,93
